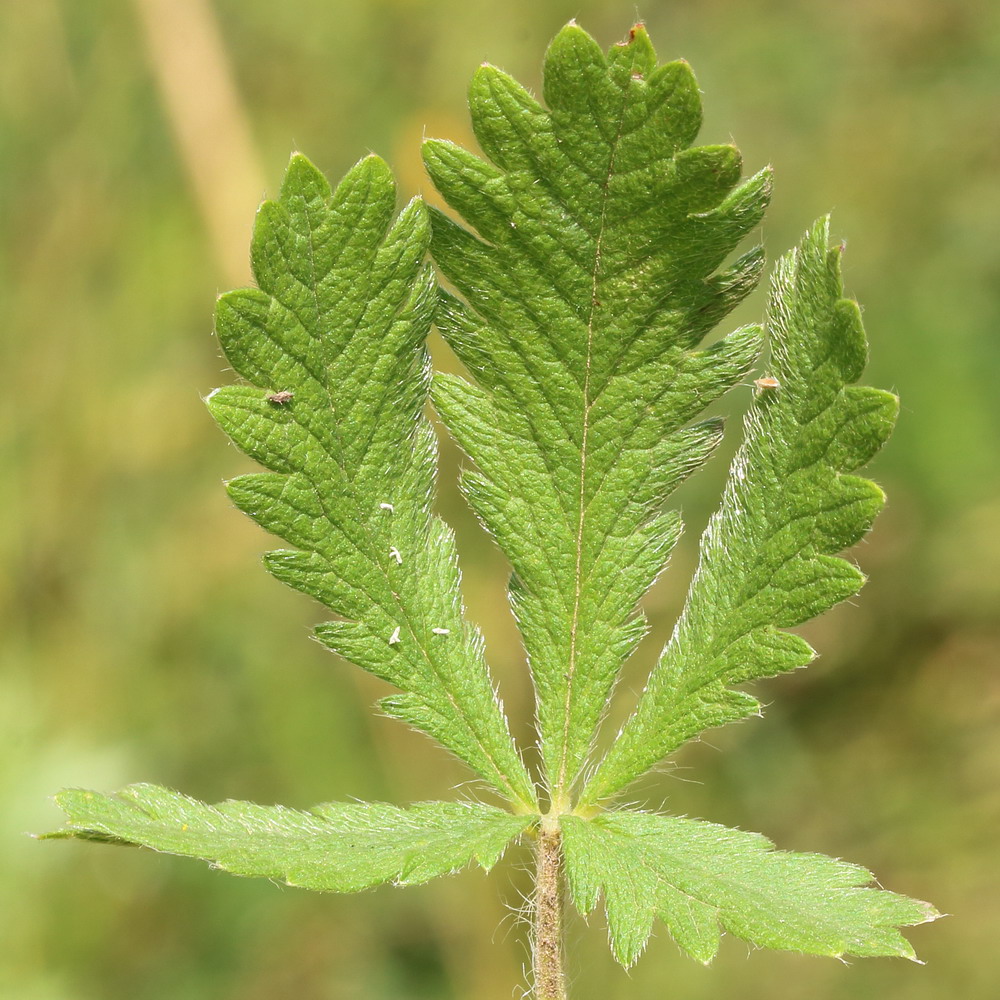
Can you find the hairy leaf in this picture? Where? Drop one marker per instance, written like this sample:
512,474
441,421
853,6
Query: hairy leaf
588,288
695,876
768,555
332,346
596,257
335,847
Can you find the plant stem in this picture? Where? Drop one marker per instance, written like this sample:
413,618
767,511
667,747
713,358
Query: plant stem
550,981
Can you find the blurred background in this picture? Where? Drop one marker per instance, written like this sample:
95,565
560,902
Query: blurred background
142,641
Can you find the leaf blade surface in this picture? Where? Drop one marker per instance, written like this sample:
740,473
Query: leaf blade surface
331,345
588,285
696,876
768,557
335,847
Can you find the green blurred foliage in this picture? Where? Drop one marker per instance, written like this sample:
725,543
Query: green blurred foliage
141,641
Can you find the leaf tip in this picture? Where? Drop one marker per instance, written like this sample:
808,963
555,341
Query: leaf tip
303,179
761,182
372,164
487,81
415,211
633,58
766,175
433,151
930,912
572,38
817,238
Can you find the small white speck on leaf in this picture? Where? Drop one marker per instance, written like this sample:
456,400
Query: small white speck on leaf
441,631
394,552
387,506
394,638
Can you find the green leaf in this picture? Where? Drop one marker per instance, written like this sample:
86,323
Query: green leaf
695,876
588,288
596,259
768,555
335,847
332,346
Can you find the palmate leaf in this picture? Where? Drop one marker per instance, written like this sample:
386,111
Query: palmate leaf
335,847
768,555
696,876
591,282
597,267
332,346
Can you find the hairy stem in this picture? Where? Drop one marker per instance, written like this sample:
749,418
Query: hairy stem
550,981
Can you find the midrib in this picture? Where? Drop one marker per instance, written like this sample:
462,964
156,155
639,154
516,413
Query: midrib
560,793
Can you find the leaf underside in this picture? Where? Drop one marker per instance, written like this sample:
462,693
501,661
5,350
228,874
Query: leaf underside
592,280
695,876
335,847
332,346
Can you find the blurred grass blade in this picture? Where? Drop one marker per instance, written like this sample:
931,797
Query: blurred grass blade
191,65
